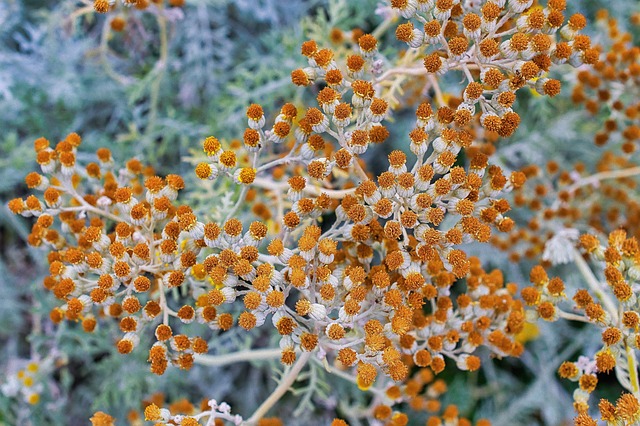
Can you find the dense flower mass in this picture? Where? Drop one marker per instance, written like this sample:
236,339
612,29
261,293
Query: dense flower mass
560,197
364,272
611,306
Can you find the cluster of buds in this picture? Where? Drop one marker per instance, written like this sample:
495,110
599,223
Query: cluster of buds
121,13
611,305
117,242
360,288
611,88
626,411
499,48
588,198
558,204
213,413
181,412
422,391
386,287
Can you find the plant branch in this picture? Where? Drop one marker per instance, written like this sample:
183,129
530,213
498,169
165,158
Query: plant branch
242,356
615,174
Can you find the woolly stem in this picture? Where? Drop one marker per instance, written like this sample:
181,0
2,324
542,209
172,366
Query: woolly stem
242,356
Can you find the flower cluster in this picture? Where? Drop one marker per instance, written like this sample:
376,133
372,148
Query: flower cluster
363,273
611,306
563,203
596,197
366,281
423,393
213,412
499,48
612,86
29,381
117,247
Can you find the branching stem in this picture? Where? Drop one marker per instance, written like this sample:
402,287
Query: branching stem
247,355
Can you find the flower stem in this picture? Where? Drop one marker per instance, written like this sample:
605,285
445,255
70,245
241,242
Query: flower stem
248,355
633,369
613,174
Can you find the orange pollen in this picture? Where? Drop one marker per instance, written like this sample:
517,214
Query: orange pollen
228,159
255,112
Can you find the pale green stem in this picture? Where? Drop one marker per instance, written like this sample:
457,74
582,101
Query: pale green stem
358,170
243,194
273,163
166,311
92,209
383,27
633,369
572,317
615,174
86,206
78,13
434,83
242,356
265,183
103,49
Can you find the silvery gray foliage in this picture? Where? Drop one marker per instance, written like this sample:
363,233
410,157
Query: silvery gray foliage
542,397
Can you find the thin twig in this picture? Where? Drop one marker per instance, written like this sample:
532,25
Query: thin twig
103,49
265,183
572,317
242,356
614,174
159,67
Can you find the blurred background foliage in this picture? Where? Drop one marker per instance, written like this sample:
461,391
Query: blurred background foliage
57,76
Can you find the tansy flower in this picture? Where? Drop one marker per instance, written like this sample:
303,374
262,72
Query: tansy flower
368,45
255,116
212,147
101,6
363,93
410,35
303,77
206,171
245,176
407,8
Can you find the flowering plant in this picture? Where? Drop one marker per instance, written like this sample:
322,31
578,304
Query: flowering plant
334,267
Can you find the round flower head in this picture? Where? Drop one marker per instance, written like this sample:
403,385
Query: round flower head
363,93
252,140
101,6
212,147
255,117
279,131
410,35
406,8
368,45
